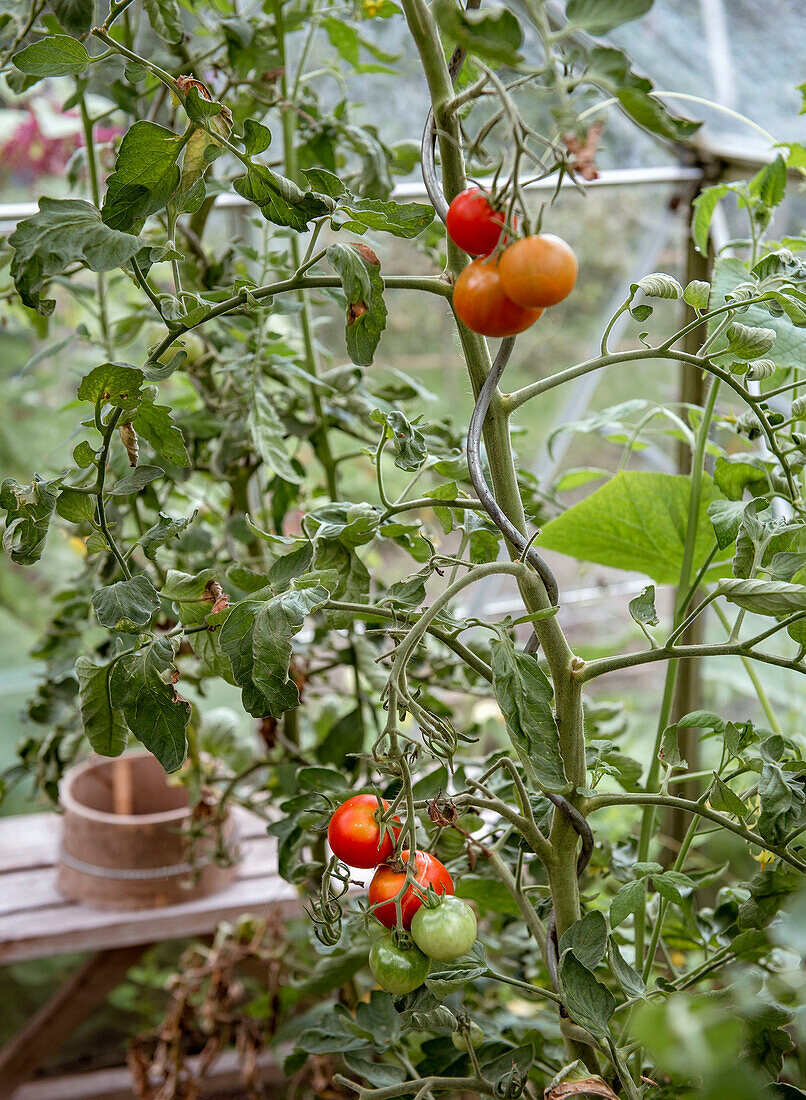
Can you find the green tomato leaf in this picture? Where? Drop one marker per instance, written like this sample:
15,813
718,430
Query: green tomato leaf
126,605
63,232
493,35
136,480
102,721
256,638
58,55
165,18
28,510
279,199
652,115
400,219
411,449
155,424
601,16
75,16
642,608
525,696
145,178
762,596
360,272
626,901
587,938
782,798
75,507
142,684
112,384
631,982
589,1003
722,798
268,434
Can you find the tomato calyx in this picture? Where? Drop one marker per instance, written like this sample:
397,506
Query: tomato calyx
402,939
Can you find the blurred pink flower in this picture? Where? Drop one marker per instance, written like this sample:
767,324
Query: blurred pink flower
29,152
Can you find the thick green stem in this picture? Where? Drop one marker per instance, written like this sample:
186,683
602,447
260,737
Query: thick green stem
568,701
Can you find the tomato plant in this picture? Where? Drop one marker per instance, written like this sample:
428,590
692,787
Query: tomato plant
398,969
445,931
389,884
473,223
481,304
274,554
354,832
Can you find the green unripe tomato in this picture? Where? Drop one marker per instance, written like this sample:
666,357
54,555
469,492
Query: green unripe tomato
474,1034
445,931
396,969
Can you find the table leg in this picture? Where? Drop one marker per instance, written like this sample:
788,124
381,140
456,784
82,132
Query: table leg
69,1006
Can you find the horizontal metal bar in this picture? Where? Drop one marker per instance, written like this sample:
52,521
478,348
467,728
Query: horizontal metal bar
13,212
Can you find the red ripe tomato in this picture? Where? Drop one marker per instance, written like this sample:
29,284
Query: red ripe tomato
473,223
355,835
538,271
386,884
480,303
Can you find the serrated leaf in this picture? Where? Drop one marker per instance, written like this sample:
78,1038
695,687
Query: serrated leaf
359,270
642,607
155,424
627,901
724,799
268,435
28,510
525,695
126,605
782,798
165,19
112,384
746,342
600,16
400,219
57,55
165,529
256,638
631,982
103,723
136,480
493,35
142,684
673,886
697,294
146,175
279,199
659,285
411,449
75,507
589,1003
63,232
762,596
75,16
587,938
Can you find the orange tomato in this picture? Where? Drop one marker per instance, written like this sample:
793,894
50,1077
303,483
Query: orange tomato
538,271
480,302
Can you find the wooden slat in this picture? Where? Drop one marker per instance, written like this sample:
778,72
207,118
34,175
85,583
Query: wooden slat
115,1084
68,928
30,891
36,921
29,840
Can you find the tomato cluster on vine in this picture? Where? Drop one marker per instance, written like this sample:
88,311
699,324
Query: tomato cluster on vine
426,922
507,286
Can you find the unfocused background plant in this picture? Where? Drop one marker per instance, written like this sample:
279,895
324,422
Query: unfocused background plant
260,546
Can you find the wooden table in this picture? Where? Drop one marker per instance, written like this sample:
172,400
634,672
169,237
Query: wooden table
37,922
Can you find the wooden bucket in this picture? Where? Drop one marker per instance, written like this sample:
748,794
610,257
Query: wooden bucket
124,838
